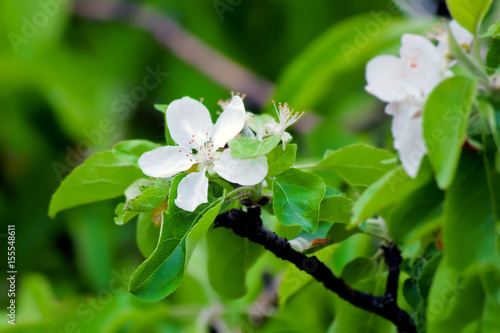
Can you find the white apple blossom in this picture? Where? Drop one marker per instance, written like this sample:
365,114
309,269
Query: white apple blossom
200,142
286,118
463,37
405,83
299,244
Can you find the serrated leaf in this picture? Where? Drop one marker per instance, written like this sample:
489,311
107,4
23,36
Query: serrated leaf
229,259
445,125
469,13
493,30
244,147
279,160
295,280
122,215
162,273
359,165
151,197
357,269
147,234
258,123
296,198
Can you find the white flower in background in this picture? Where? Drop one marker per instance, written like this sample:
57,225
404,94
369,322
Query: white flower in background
463,37
405,83
378,226
286,118
200,142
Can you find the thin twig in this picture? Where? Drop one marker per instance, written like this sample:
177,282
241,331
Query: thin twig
249,225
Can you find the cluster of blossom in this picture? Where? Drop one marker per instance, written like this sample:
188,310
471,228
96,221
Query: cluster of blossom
201,148
406,82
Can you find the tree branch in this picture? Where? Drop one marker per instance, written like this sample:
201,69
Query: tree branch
249,225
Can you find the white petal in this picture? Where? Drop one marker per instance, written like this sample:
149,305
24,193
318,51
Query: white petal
189,122
424,60
244,172
389,79
192,191
230,122
462,35
166,161
408,138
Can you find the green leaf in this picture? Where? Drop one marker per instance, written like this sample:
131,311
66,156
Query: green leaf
469,13
445,125
162,273
243,147
229,259
469,226
488,113
279,160
168,138
410,292
493,30
336,208
388,190
493,56
133,149
123,215
359,165
296,198
295,280
357,269
427,276
151,197
147,234
338,233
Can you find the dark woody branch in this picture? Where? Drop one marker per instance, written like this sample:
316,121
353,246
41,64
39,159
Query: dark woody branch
249,225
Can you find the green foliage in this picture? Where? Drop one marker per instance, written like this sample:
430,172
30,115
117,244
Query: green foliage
163,271
469,13
228,276
357,270
335,208
279,160
493,55
359,165
147,234
151,197
493,30
296,198
102,176
243,147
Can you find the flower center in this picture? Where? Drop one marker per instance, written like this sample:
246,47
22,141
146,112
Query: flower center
206,153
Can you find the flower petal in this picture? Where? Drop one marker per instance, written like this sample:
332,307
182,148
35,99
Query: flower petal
408,138
425,61
230,122
166,161
244,172
389,79
192,191
189,122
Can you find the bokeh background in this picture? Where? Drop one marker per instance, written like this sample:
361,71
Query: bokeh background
76,77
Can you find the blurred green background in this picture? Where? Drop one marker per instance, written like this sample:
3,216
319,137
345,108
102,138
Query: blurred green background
75,78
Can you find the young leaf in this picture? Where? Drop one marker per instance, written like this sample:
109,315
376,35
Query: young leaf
162,273
359,165
279,160
357,269
296,198
294,279
229,259
469,13
243,147
493,30
445,125
133,149
151,197
339,233
147,234
259,122
122,215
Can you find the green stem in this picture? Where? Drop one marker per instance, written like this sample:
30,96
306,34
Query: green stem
240,189
489,178
307,166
